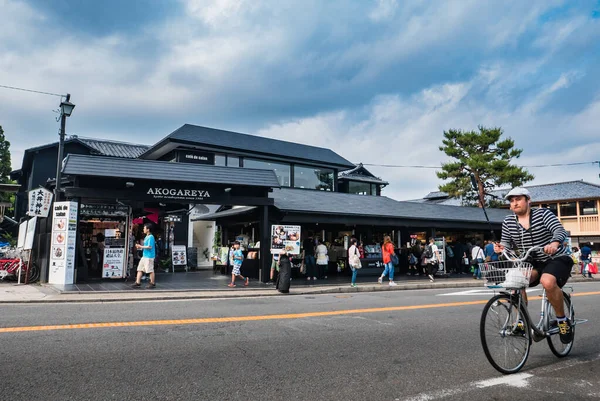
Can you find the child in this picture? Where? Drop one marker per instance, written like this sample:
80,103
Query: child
238,258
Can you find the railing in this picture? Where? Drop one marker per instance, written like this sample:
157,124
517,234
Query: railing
582,225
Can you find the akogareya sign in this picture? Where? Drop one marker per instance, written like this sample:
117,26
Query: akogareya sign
178,194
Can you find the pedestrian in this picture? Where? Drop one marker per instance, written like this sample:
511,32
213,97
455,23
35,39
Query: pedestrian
576,256
238,258
489,253
586,253
322,259
413,259
274,266
353,260
477,257
284,278
432,258
387,249
309,257
146,264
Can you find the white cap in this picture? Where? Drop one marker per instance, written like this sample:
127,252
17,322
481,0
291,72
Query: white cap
518,191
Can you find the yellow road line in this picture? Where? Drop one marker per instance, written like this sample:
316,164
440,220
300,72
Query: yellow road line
247,318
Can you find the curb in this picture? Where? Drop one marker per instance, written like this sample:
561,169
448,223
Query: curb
157,295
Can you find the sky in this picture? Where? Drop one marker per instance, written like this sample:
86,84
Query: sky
376,81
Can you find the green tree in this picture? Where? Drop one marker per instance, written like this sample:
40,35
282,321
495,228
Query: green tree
5,167
484,155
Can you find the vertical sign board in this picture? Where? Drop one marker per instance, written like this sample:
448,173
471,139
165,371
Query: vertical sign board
22,234
30,234
114,260
178,255
64,233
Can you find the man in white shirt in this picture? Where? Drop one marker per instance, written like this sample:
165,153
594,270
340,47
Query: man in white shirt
433,260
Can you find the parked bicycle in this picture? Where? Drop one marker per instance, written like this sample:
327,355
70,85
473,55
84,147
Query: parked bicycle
506,328
9,267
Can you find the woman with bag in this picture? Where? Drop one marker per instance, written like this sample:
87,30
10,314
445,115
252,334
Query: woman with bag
387,249
477,257
322,260
353,261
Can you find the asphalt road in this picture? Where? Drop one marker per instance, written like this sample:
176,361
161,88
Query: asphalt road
424,346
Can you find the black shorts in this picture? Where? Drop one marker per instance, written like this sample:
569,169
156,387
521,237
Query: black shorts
559,267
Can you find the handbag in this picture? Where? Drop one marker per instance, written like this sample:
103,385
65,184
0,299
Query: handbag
355,260
394,259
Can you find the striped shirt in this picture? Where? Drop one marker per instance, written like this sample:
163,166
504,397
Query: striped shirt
544,229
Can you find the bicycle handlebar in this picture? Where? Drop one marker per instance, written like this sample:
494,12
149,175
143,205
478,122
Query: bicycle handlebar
524,258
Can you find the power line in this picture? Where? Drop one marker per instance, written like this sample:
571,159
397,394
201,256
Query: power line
438,167
29,90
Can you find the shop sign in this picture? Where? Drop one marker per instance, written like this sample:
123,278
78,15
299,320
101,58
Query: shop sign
174,218
104,210
40,202
164,193
114,260
285,237
64,233
178,255
191,156
372,263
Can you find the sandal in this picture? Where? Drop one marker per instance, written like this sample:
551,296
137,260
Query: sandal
247,282
231,285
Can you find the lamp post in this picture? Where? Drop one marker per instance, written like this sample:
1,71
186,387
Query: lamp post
66,108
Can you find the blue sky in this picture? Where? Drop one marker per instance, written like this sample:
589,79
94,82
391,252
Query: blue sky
377,81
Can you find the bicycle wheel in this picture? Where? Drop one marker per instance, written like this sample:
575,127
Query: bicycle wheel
505,342
556,346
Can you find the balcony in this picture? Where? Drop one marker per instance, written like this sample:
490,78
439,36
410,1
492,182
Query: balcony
582,225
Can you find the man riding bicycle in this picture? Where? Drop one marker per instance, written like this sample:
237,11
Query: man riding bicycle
527,228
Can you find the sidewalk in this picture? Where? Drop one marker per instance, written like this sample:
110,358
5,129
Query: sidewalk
14,293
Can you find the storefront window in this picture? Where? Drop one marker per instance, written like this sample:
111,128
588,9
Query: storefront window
233,161
568,209
220,160
552,206
282,170
360,188
588,207
313,178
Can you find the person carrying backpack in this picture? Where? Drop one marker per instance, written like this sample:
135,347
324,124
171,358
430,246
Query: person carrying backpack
431,254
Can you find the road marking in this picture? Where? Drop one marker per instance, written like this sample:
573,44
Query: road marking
516,380
235,318
482,291
248,318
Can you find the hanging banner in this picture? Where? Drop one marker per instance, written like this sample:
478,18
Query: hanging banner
178,255
64,233
40,202
114,261
285,237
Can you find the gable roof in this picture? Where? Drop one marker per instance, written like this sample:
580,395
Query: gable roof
235,142
555,192
99,166
360,173
323,202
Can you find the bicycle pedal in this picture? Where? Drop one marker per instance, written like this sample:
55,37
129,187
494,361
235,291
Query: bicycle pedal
537,337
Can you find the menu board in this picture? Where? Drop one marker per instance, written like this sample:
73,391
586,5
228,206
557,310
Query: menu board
285,237
64,233
114,261
178,255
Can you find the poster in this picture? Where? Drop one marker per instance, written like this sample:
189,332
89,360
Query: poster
40,202
62,247
113,263
178,255
285,237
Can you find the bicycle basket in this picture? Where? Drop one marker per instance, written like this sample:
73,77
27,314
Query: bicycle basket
506,274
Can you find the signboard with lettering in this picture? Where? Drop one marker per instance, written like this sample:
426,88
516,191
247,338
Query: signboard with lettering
64,233
114,261
167,193
40,201
192,156
178,255
285,237
104,210
173,218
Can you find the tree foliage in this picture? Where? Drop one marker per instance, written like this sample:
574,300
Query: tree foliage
483,154
5,167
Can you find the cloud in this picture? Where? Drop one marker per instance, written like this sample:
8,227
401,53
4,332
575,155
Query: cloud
376,81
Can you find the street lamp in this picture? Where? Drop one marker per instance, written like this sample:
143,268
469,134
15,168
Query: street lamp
66,108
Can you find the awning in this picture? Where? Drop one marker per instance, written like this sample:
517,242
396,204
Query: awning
226,213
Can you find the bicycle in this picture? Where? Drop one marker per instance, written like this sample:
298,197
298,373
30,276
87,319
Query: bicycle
9,267
506,318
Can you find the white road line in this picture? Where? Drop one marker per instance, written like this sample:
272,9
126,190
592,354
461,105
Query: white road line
516,380
483,291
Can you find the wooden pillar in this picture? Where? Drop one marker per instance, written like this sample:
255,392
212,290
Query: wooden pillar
265,245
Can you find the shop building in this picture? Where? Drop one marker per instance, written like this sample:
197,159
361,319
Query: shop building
575,203
203,188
